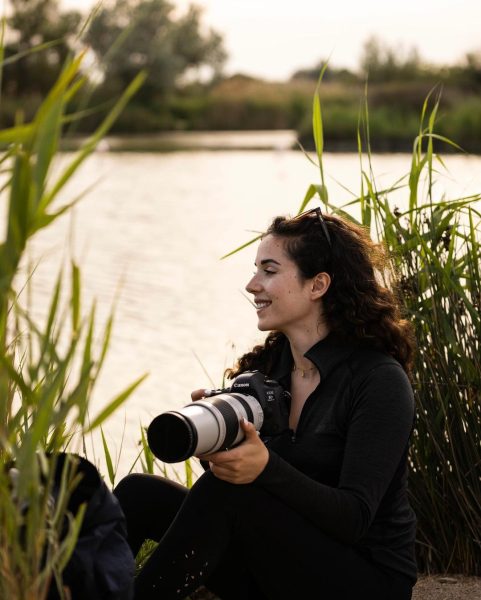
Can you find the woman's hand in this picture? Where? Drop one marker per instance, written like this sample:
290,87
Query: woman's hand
243,463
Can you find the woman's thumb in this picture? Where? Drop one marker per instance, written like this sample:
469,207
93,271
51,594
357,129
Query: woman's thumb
248,428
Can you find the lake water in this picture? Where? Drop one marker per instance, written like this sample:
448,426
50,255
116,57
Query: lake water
154,226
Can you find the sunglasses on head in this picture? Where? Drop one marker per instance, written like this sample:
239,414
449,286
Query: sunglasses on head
317,211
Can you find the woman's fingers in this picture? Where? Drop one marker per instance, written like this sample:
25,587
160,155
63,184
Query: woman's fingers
198,394
243,463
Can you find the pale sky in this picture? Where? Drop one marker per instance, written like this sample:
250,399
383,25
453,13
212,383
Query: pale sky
273,38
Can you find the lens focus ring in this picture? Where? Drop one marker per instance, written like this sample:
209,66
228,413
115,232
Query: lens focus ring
231,420
245,406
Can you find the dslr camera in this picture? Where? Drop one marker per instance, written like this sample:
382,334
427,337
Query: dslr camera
214,423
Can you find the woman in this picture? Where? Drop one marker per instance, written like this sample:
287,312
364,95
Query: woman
321,510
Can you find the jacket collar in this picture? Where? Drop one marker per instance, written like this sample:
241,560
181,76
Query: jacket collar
326,354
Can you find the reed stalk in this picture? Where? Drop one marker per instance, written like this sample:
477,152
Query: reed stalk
434,244
48,370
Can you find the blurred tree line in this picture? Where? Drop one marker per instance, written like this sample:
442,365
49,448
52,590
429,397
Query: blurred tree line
122,37
186,89
398,81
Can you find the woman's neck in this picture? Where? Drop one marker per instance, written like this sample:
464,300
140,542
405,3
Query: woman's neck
301,342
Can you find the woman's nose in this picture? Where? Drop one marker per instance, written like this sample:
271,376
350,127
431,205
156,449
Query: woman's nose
252,285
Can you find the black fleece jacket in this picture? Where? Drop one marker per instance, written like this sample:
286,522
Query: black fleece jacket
345,467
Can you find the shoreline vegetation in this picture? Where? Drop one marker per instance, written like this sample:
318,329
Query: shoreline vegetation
241,104
49,369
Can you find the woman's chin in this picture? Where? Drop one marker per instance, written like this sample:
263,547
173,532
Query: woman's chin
261,325
264,325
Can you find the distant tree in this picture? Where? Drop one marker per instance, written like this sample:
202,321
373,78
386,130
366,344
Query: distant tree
381,63
472,69
331,74
29,24
127,35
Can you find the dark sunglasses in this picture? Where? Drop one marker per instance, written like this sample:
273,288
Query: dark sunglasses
317,211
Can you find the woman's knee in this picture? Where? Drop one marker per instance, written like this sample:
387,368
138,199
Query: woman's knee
139,490
128,485
131,490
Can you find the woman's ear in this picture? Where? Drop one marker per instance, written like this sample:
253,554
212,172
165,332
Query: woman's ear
320,285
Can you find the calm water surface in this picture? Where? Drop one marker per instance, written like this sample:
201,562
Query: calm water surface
154,228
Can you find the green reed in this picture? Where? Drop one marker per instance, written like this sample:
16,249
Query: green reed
434,244
48,370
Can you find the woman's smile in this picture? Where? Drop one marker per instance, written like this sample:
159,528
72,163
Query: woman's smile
261,304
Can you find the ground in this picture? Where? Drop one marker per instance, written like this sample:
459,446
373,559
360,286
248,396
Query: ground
447,587
435,587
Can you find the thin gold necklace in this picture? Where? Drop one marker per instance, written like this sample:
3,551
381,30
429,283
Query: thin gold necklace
303,372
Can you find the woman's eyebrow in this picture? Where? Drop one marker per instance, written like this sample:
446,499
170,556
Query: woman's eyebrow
270,260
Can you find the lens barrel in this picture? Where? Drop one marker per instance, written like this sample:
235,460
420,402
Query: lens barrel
203,427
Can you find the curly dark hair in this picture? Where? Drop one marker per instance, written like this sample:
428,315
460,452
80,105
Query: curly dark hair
357,306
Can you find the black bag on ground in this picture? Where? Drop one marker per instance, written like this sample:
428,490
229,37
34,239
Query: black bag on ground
102,565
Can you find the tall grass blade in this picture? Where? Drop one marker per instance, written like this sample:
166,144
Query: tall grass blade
115,404
108,459
90,145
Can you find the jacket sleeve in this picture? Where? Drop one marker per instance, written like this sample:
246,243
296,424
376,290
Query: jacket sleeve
379,426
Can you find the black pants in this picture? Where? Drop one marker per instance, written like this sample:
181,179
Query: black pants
242,543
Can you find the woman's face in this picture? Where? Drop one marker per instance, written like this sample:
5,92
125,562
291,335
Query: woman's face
283,298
